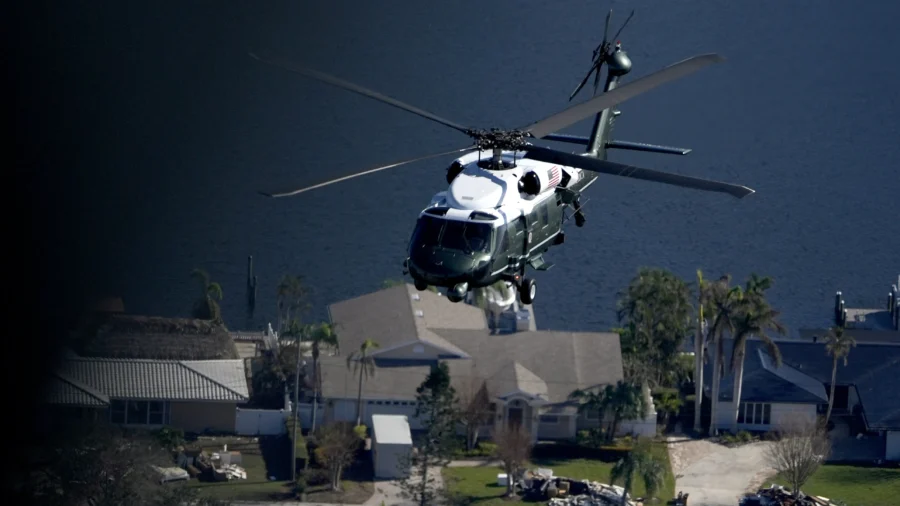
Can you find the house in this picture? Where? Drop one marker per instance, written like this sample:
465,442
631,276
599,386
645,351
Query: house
526,376
865,390
193,395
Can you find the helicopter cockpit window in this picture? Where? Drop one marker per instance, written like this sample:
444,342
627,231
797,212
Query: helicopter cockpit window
460,235
428,231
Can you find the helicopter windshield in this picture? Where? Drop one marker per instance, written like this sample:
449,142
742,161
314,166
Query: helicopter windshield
452,234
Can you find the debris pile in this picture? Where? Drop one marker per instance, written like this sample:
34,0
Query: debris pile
777,495
541,485
217,466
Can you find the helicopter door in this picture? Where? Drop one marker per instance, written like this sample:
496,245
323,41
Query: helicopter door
518,241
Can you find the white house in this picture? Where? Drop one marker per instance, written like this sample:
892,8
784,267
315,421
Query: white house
527,376
866,388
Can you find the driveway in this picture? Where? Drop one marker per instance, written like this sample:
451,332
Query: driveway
715,475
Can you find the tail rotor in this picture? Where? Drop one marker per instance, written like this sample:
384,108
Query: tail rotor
601,53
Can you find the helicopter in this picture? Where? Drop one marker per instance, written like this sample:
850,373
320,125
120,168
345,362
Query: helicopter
508,199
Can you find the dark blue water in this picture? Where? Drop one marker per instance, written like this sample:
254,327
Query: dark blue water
177,129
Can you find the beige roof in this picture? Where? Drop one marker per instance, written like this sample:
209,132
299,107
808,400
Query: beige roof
514,378
207,380
539,363
400,315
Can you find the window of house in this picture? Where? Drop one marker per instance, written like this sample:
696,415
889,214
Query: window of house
418,349
117,411
549,419
129,412
755,413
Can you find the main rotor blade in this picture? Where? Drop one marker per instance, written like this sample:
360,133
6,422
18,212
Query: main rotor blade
340,83
618,95
370,171
620,169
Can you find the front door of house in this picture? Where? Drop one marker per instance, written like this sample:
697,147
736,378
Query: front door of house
514,417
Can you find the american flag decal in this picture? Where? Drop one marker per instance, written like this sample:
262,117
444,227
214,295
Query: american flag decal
555,175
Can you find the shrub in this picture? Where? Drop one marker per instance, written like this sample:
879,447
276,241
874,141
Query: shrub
487,449
316,477
361,431
169,437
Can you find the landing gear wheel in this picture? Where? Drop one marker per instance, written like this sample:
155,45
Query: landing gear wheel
420,285
527,291
453,297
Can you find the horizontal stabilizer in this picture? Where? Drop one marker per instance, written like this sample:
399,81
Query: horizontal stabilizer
651,148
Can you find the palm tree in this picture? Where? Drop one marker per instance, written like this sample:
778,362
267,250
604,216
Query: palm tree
724,302
625,401
639,463
699,345
291,296
755,318
206,307
322,337
363,364
837,344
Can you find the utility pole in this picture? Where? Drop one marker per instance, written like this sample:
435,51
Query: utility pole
295,414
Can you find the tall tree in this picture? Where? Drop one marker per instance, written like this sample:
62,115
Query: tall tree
362,363
336,447
436,409
755,318
622,401
723,303
321,337
513,450
639,463
700,338
656,309
206,306
292,298
837,344
474,408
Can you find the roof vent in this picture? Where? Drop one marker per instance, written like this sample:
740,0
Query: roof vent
415,296
419,313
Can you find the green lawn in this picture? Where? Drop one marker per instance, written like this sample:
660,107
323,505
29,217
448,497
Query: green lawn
856,486
479,484
257,486
270,457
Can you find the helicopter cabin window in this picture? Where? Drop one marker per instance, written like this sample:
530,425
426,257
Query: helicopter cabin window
544,210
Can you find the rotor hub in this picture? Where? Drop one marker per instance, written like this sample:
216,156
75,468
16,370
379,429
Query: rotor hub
495,138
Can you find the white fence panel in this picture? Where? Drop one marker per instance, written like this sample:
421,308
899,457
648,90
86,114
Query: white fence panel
260,422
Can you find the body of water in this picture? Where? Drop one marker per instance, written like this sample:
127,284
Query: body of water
165,129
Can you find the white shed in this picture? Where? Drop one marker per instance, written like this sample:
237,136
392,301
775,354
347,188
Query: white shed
391,444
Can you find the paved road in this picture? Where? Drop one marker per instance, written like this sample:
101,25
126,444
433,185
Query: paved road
714,475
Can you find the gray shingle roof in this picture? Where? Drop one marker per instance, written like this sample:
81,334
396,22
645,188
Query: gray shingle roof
67,391
563,361
401,314
215,380
874,369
